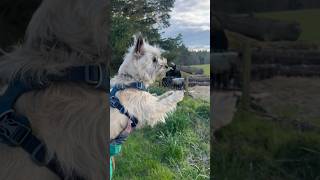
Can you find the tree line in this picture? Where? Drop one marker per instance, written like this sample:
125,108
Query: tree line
150,17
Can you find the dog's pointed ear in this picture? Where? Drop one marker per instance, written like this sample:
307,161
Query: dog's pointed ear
138,45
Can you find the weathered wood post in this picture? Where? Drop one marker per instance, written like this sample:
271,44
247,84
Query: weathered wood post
246,73
186,85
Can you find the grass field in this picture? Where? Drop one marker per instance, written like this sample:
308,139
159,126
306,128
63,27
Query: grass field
205,67
308,19
255,146
178,149
252,147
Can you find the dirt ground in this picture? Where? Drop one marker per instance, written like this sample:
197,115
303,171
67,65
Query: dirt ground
294,97
202,92
224,107
224,104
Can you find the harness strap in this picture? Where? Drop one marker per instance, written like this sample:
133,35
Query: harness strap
115,103
15,130
119,87
91,74
115,145
17,133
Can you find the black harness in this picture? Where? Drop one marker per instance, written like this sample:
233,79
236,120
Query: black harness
15,129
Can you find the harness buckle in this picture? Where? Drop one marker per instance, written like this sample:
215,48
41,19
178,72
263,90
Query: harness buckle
114,102
93,74
39,154
140,86
97,75
120,86
12,130
134,121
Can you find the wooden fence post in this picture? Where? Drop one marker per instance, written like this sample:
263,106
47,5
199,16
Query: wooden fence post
186,85
246,73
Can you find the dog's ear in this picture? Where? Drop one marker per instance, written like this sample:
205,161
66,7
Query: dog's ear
138,45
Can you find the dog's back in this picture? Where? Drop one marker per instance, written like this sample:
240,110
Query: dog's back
71,118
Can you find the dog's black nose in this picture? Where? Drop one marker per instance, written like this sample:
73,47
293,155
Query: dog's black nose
166,66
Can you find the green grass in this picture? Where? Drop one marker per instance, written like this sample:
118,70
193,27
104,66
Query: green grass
177,149
205,67
252,147
308,20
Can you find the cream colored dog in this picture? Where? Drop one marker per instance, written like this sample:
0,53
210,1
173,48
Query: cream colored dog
142,63
71,118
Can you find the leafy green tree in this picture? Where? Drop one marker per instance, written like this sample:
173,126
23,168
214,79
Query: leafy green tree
131,16
172,46
184,56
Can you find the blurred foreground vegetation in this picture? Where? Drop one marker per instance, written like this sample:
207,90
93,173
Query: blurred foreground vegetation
253,147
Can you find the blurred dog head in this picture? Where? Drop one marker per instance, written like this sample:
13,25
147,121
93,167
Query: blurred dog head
60,34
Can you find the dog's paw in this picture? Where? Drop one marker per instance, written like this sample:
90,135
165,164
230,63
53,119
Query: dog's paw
169,93
166,94
178,95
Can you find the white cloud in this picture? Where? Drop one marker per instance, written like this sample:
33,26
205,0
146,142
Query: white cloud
192,13
191,17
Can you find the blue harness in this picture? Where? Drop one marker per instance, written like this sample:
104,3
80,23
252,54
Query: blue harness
115,145
115,103
15,129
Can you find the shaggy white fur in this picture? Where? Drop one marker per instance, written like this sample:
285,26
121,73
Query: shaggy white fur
60,34
143,63
71,118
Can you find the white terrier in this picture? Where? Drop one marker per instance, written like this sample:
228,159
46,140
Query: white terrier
71,118
142,63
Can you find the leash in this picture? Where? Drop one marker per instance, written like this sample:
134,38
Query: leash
15,129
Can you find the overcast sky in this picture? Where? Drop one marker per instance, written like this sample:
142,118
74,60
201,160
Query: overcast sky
191,18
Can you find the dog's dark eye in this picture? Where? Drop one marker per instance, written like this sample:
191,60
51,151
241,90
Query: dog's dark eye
154,60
